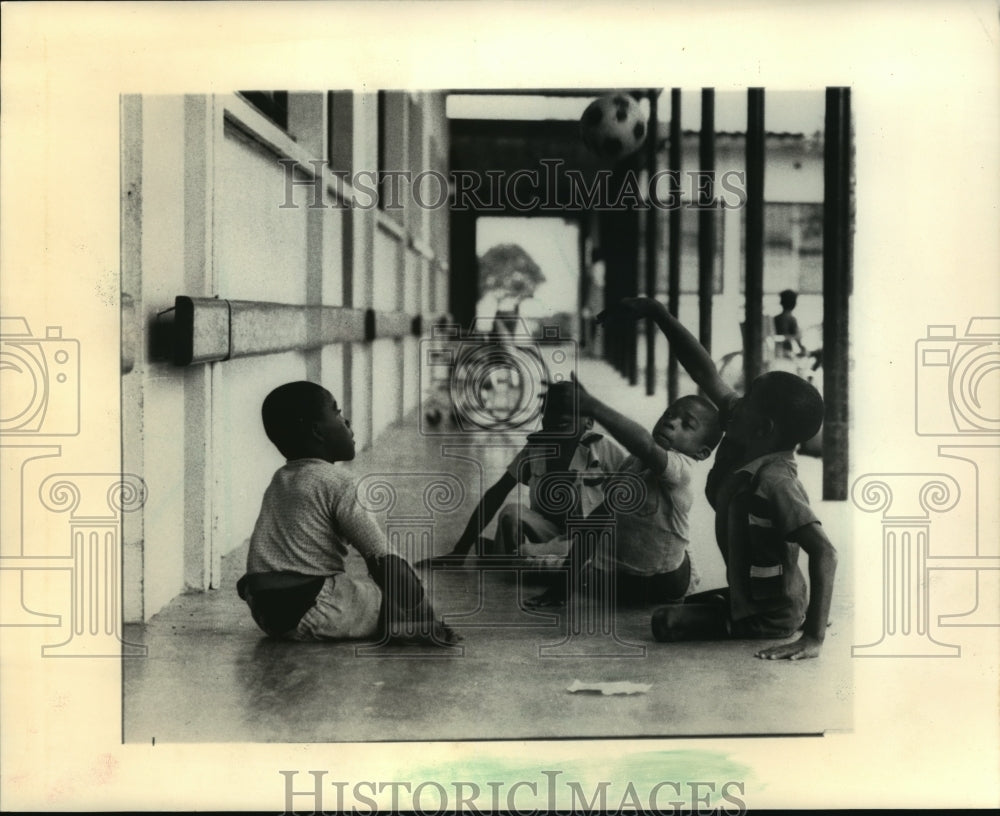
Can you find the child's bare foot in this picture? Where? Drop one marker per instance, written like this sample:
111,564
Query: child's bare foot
663,624
443,634
424,629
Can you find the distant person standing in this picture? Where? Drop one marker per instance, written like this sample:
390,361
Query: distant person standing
786,325
507,319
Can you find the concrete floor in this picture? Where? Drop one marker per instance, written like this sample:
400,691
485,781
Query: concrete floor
211,675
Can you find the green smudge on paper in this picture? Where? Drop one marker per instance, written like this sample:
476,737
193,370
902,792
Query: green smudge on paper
643,770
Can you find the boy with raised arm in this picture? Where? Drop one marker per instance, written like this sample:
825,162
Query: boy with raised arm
651,563
762,512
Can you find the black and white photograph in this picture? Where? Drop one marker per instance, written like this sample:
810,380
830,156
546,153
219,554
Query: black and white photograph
507,331
462,406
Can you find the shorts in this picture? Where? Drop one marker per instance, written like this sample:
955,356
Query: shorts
661,588
347,606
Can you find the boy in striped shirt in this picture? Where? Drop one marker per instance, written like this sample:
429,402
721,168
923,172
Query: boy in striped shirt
762,512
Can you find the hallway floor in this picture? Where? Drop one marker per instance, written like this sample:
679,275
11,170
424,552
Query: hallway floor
212,676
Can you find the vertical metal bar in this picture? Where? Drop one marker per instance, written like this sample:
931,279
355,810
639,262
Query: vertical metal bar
630,260
612,295
583,283
620,250
706,217
836,289
463,290
652,239
674,227
753,337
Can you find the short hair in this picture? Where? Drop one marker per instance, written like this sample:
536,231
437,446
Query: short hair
286,409
711,430
792,403
788,298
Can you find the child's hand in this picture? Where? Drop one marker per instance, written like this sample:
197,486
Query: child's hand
583,398
799,649
627,310
562,393
569,395
443,634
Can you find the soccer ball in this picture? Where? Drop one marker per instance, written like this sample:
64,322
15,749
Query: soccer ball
613,126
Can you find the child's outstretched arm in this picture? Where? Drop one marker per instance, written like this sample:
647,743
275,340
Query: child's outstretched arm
492,500
690,353
629,433
822,567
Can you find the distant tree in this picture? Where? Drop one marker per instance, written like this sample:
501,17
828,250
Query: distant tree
509,272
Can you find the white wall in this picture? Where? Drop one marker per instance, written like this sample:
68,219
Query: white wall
202,194
260,247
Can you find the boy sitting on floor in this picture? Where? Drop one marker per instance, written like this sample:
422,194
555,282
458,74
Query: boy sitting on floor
310,523
562,446
762,512
651,564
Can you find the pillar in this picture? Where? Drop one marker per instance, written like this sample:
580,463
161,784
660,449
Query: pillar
836,290
753,336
